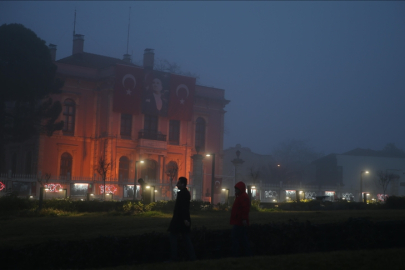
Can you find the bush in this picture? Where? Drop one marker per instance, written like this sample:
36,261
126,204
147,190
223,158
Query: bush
164,206
395,202
13,203
255,205
266,239
136,207
197,206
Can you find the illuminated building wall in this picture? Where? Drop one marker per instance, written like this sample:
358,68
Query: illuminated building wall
93,129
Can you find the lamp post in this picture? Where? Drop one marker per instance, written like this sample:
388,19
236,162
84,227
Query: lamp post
361,185
237,163
227,195
212,177
136,175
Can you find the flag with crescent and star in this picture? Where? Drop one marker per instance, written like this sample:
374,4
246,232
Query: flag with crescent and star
182,90
127,89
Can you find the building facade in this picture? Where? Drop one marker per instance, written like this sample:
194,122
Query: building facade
111,114
356,173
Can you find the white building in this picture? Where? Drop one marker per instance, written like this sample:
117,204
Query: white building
356,171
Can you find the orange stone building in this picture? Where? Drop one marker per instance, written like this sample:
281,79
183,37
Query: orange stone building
98,126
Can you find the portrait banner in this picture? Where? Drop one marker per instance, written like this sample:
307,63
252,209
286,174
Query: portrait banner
127,89
181,103
156,93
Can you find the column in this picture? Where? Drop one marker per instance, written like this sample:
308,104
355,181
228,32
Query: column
198,176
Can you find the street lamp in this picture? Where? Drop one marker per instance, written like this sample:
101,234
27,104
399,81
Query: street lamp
212,177
227,195
153,193
136,175
361,185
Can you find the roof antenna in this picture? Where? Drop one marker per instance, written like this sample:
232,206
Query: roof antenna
129,21
74,24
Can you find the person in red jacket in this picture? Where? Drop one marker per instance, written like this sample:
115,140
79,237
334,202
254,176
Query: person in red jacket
240,220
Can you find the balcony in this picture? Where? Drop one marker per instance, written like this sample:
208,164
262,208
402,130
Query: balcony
151,135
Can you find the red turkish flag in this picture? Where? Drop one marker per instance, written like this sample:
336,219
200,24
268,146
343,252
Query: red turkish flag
128,89
181,103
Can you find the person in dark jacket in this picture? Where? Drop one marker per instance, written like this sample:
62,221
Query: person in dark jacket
181,221
143,191
240,220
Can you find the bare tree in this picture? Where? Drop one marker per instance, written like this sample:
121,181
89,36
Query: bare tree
172,67
172,170
384,179
254,173
102,168
42,180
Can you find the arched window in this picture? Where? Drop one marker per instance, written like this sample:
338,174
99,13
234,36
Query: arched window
123,173
200,134
66,165
69,112
149,170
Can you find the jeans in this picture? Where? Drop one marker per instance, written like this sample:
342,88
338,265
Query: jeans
240,239
189,246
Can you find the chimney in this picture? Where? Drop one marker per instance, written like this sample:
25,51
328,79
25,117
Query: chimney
78,43
127,58
52,50
148,58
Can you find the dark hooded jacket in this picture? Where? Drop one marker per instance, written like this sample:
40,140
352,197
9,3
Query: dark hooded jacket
241,206
181,212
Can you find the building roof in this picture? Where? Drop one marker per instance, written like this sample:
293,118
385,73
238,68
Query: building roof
363,153
91,60
373,153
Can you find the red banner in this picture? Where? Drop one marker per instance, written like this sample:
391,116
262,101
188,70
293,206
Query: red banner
127,89
182,90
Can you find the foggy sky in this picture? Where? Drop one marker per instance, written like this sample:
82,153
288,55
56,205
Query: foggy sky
332,73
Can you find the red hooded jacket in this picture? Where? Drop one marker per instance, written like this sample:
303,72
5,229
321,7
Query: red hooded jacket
241,206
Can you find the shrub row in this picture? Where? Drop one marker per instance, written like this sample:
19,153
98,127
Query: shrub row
269,239
12,203
393,202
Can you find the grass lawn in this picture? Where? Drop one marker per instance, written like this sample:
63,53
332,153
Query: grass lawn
360,260
20,231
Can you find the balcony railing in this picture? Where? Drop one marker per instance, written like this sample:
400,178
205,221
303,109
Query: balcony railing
151,135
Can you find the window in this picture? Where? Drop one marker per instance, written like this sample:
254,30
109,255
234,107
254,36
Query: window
126,126
14,163
28,163
66,165
149,170
174,132
200,134
150,130
69,113
151,124
123,173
